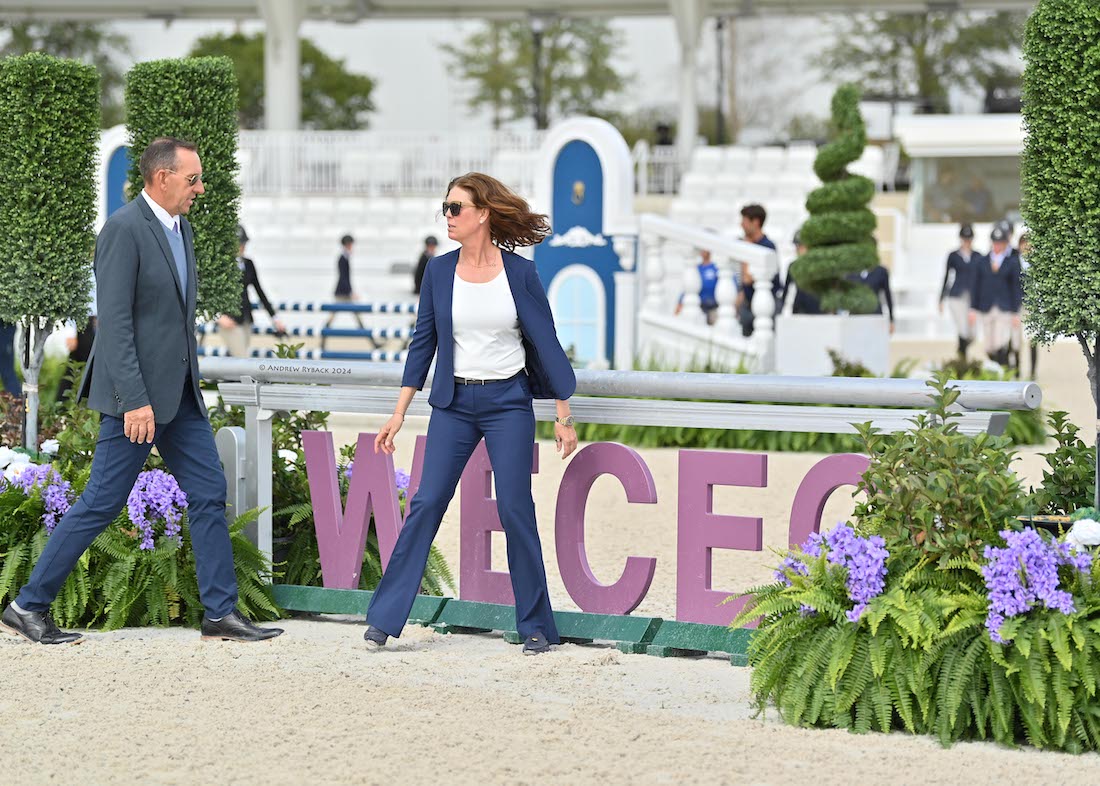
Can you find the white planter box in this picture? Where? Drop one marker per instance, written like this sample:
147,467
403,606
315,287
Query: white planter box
802,342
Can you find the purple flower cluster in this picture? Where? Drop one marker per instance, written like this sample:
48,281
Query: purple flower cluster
1025,573
400,476
57,495
863,558
791,564
156,497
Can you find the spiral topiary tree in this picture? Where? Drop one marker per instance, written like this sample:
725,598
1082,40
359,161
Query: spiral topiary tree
839,231
196,99
49,121
1061,177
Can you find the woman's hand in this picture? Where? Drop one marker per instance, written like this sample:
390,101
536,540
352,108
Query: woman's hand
384,440
566,439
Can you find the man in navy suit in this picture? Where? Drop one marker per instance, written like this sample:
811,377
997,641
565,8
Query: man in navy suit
143,377
995,300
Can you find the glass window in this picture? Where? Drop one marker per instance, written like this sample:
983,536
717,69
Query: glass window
577,315
966,190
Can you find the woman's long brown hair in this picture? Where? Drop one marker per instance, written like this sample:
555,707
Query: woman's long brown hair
511,222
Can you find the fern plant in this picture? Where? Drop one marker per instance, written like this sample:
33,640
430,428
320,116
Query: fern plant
920,657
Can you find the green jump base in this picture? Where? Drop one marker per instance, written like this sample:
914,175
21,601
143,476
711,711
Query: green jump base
632,635
322,600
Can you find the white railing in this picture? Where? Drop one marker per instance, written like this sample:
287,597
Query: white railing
657,168
668,266
376,163
373,163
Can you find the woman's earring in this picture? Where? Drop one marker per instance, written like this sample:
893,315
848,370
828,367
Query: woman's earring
482,221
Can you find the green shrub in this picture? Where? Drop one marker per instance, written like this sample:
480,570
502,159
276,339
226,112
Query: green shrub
919,655
1069,481
196,99
49,121
839,231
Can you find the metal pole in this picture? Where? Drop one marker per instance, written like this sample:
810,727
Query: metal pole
536,72
720,120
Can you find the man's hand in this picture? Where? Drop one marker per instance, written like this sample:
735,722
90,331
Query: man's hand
139,425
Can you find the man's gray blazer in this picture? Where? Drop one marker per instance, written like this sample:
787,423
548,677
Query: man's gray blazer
145,343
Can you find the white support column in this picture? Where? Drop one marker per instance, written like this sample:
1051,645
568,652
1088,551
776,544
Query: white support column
626,304
282,64
689,16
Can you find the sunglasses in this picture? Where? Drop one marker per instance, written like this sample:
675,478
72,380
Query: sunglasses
455,208
191,180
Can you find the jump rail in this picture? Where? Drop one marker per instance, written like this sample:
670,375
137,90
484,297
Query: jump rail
264,387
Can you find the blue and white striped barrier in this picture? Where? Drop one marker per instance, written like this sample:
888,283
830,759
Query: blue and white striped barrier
379,307
399,332
315,354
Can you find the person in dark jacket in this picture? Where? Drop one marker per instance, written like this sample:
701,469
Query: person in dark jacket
996,297
236,329
1018,335
804,302
344,292
485,319
10,379
958,281
752,225
877,279
430,245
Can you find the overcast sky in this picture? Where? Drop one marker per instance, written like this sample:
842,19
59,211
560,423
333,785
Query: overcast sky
414,91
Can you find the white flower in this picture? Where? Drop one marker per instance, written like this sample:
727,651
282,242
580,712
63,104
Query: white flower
290,457
15,469
19,458
50,446
5,456
1084,533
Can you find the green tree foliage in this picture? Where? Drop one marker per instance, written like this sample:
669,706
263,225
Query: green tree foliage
577,72
332,96
196,99
924,54
49,121
92,44
840,227
1061,174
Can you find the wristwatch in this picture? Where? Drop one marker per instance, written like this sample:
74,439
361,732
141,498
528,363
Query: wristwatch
567,421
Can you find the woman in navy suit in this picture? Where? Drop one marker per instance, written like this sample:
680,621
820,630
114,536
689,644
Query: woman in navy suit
485,318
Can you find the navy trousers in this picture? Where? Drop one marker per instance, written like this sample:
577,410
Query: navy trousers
187,446
501,413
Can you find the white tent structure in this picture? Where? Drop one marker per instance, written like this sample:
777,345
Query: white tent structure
282,19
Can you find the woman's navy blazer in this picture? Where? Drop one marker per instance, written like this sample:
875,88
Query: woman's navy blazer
548,369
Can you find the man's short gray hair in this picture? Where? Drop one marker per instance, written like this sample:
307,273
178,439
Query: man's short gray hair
161,154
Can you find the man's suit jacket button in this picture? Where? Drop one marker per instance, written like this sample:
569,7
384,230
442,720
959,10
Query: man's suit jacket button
185,360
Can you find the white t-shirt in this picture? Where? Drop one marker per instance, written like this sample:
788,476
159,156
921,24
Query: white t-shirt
486,330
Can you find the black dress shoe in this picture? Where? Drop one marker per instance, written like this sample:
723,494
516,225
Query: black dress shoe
36,626
234,627
375,638
536,644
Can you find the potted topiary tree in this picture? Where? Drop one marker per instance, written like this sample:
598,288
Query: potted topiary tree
196,99
1061,177
49,121
839,236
